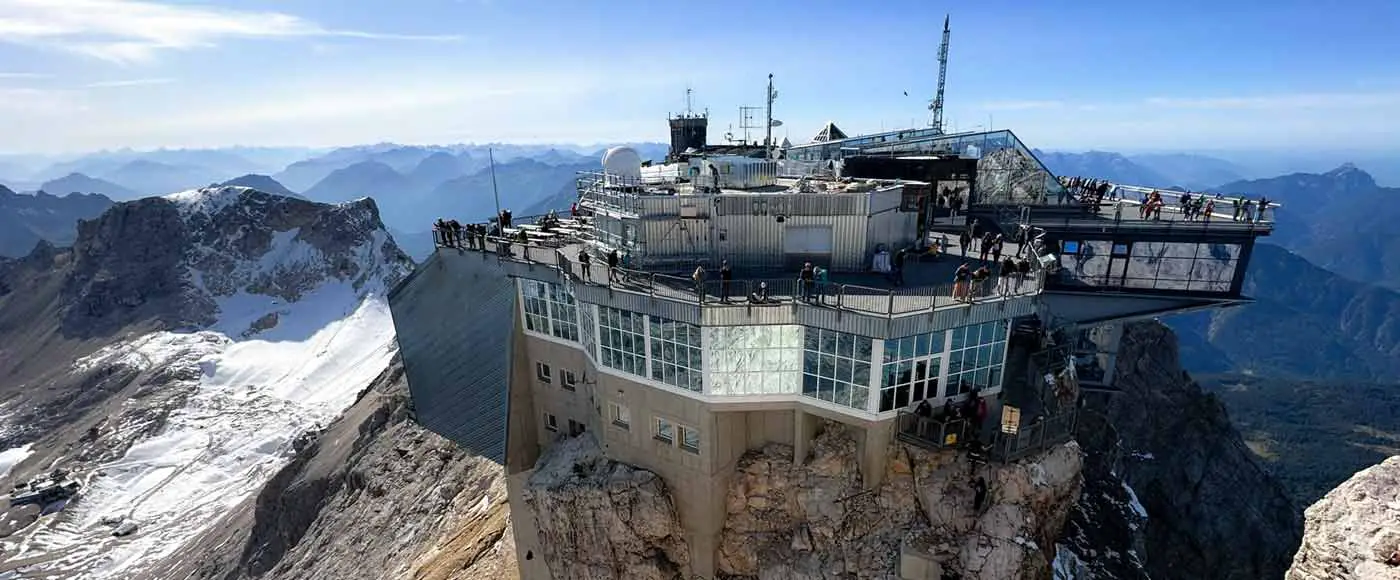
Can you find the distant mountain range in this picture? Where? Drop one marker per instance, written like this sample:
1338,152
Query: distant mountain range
79,183
1340,220
25,220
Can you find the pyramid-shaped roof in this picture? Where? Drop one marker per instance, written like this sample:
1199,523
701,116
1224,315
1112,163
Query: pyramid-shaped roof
830,133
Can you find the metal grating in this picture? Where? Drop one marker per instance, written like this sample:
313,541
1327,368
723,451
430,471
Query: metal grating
456,352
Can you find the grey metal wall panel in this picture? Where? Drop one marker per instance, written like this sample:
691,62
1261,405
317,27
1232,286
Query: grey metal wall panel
454,320
749,315
978,313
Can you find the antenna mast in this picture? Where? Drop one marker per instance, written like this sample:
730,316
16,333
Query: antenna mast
768,138
937,105
491,155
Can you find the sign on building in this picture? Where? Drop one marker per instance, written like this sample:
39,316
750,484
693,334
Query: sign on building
1010,420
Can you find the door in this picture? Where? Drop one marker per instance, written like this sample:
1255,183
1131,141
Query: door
807,244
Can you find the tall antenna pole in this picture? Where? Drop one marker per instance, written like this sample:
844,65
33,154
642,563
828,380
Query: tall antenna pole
768,137
687,101
491,155
937,105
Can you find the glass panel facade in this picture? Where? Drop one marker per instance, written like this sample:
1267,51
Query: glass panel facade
587,327
836,367
536,297
1181,266
549,309
975,357
563,313
911,369
1007,171
622,340
754,360
676,354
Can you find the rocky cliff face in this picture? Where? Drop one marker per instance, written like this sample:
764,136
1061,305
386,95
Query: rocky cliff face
598,518
374,495
814,521
173,358
1173,492
1354,532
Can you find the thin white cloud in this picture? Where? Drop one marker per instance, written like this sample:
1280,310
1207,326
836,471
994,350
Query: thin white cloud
23,75
1020,105
1281,102
129,83
135,31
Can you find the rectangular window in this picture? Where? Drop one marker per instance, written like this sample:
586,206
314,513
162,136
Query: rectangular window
550,422
910,370
664,431
690,439
976,357
676,354
836,367
542,372
587,330
550,309
576,428
620,415
567,380
622,340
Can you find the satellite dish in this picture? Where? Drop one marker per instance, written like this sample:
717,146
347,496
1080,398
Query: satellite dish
776,123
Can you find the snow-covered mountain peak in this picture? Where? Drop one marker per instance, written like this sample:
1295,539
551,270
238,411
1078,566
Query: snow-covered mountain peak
193,339
220,255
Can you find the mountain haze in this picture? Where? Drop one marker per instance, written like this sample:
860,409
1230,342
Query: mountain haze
25,220
79,183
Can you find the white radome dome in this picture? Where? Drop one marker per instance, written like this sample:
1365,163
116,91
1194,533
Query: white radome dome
623,162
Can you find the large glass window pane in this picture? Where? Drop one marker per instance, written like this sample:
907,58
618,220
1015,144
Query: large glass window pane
837,362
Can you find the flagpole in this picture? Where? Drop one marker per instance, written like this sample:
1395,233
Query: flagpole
491,156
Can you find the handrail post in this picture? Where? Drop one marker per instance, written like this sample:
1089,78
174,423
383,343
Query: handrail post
651,284
889,309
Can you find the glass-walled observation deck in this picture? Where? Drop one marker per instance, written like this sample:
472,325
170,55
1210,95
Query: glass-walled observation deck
1008,173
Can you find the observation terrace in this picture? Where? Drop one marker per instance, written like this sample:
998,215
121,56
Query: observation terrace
875,298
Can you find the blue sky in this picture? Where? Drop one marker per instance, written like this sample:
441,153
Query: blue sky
87,74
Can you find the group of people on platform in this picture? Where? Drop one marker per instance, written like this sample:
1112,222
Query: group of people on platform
1087,190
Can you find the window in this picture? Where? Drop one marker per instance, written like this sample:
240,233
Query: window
676,354
753,360
567,380
622,340
836,367
576,428
910,370
587,329
690,439
620,416
975,357
664,431
550,422
550,309
542,372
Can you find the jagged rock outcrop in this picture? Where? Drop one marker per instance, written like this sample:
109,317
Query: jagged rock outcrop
600,519
1354,531
171,259
373,494
1209,507
814,521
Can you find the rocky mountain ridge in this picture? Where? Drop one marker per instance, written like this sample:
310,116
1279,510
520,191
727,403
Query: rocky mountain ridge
173,357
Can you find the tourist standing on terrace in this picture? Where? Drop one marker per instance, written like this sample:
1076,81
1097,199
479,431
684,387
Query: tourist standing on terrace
587,262
698,276
726,274
613,260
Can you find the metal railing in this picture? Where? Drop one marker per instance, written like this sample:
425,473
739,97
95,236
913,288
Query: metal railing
931,432
1035,437
712,293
